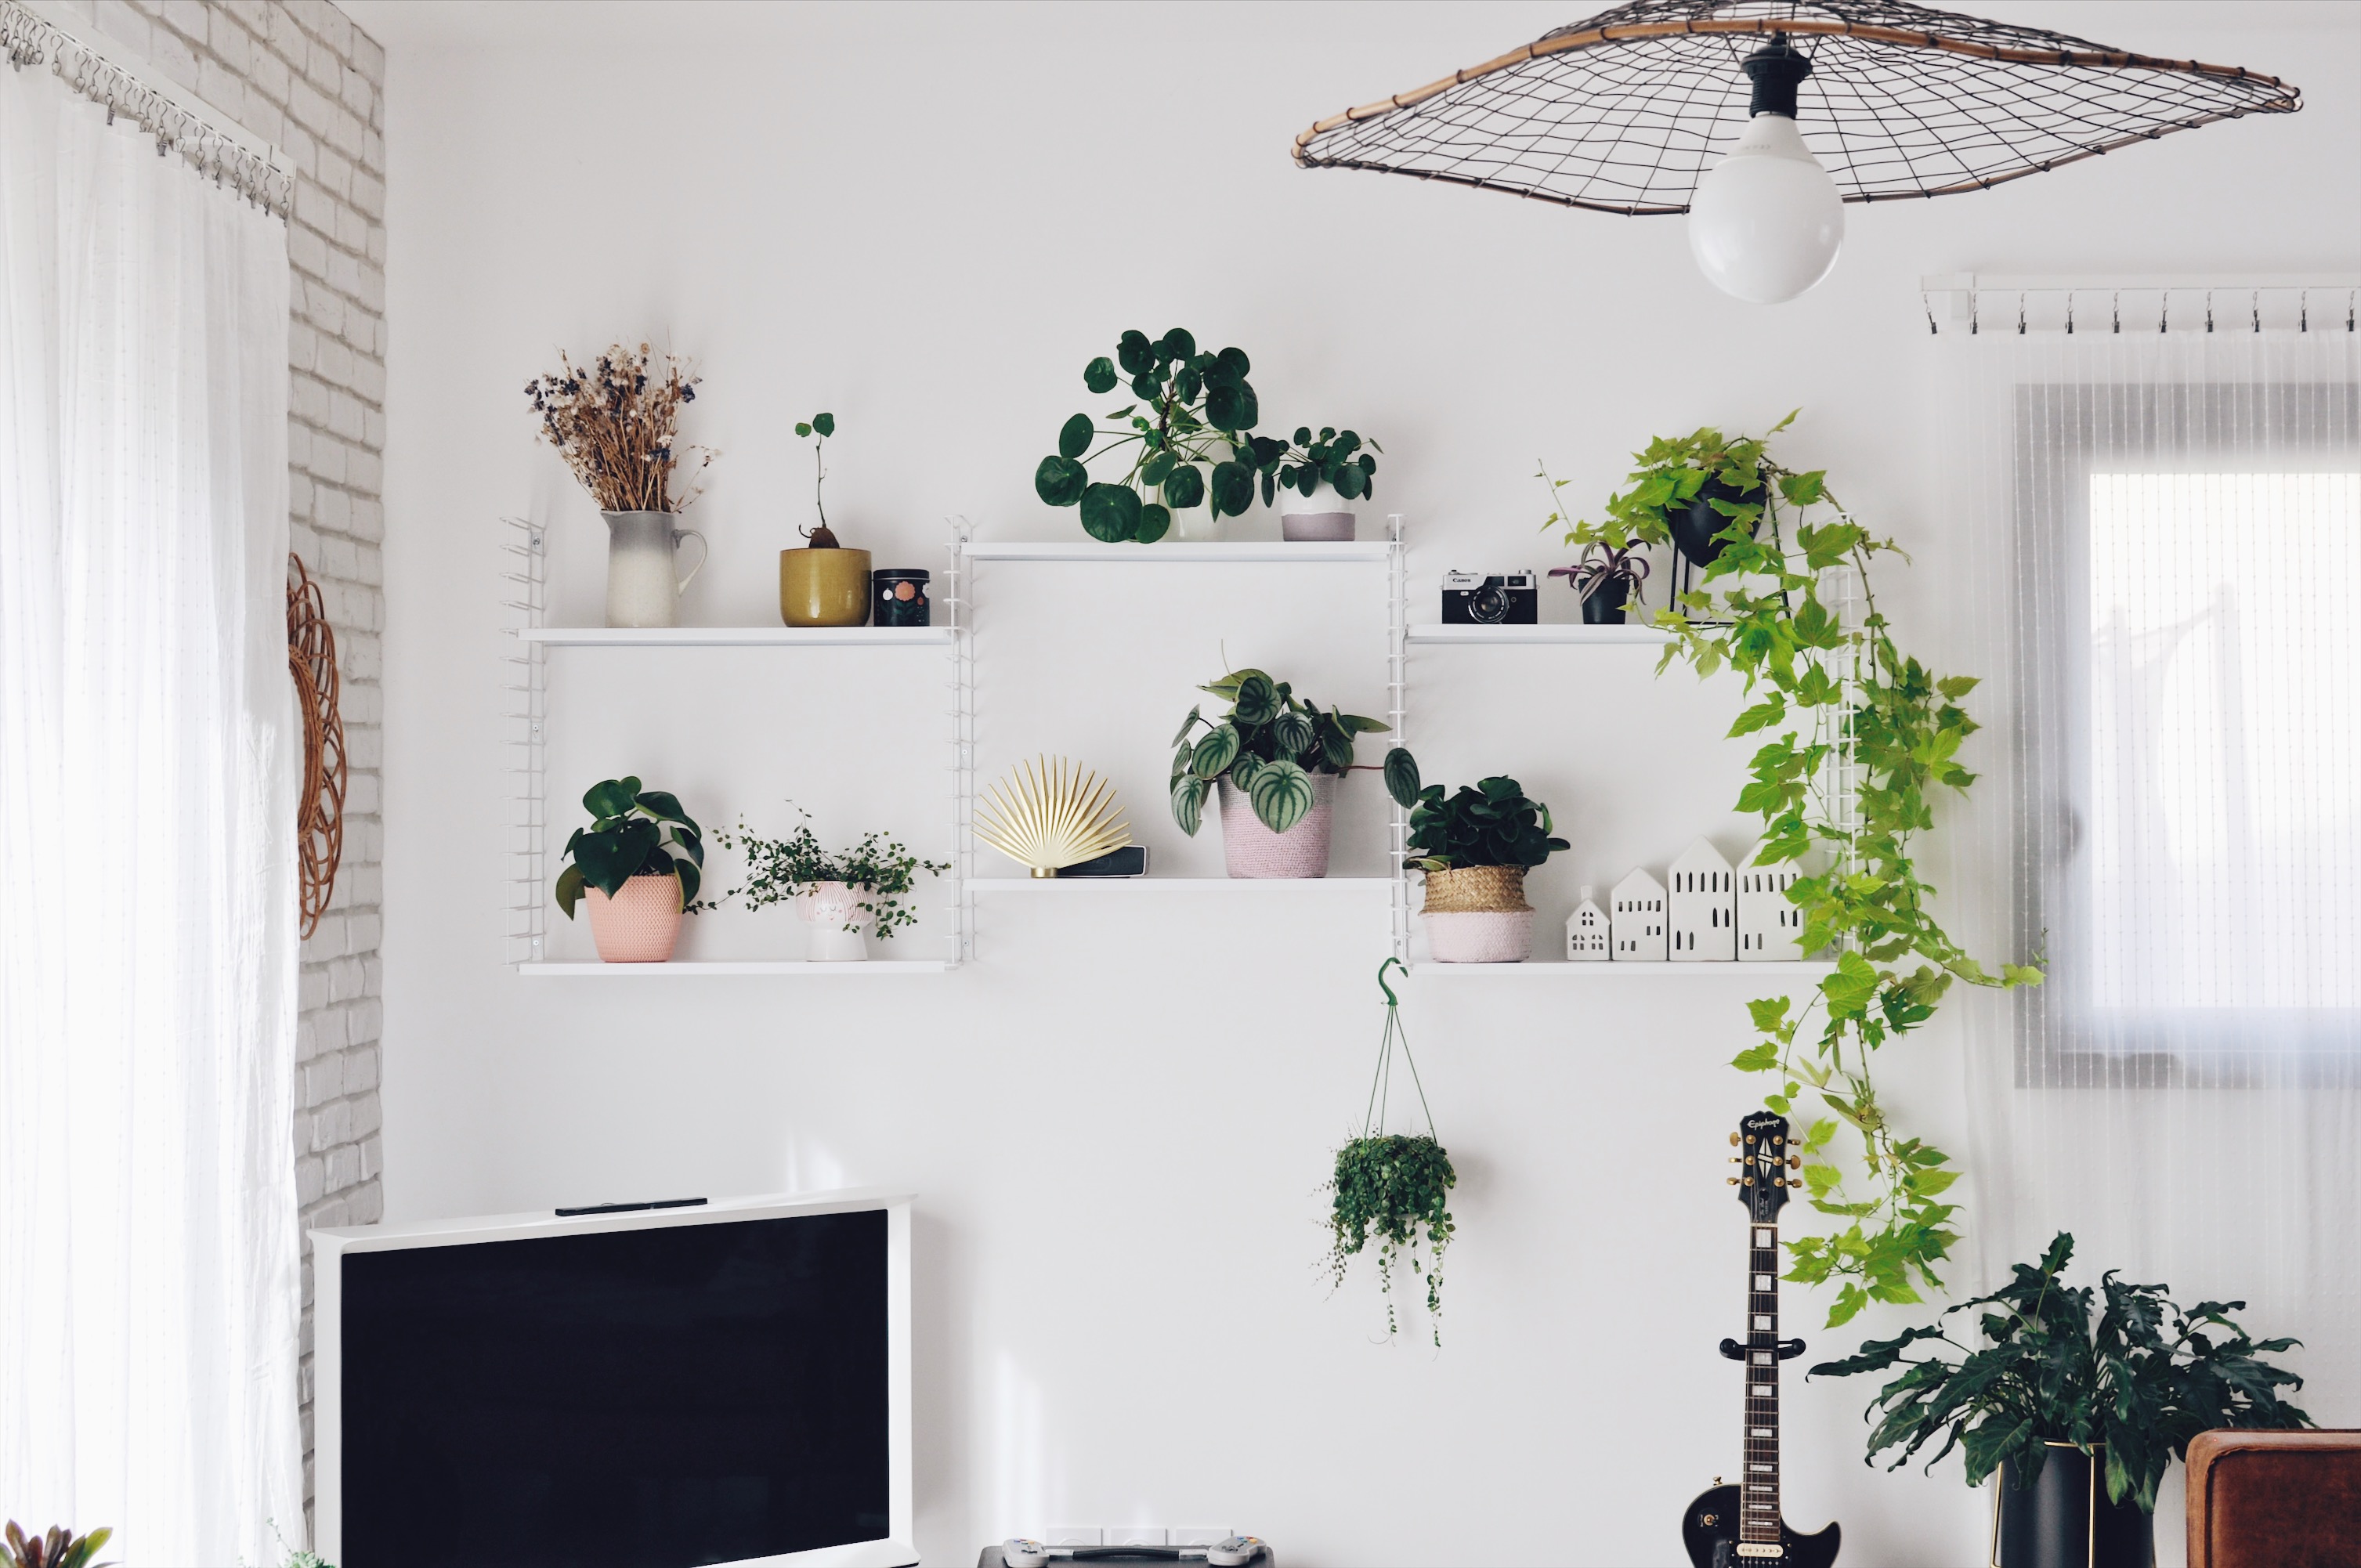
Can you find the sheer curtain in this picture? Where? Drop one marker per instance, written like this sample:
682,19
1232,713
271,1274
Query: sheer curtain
148,764
2159,513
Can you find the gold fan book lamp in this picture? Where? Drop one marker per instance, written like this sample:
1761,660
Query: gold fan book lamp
1050,814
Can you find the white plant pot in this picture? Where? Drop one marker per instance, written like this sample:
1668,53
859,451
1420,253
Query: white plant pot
1320,518
827,910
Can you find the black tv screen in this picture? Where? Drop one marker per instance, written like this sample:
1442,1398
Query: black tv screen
626,1398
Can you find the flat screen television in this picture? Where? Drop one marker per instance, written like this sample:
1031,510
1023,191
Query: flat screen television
658,1388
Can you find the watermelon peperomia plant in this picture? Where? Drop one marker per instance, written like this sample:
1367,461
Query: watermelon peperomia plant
1268,745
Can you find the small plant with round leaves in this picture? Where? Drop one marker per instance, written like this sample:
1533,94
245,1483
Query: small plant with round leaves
1183,440
1267,745
1488,824
1337,459
816,430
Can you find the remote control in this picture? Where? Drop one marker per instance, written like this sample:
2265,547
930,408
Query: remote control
1021,1553
1236,1552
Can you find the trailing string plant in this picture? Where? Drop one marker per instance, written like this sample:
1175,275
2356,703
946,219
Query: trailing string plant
632,832
1393,1191
1189,410
779,870
1862,737
1268,745
617,423
2046,1374
816,430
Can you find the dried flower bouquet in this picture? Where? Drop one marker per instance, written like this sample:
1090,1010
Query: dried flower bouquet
617,422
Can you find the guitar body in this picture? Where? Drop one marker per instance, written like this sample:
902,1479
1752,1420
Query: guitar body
1710,1531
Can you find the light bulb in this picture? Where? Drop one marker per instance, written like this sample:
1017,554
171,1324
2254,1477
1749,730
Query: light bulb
1765,223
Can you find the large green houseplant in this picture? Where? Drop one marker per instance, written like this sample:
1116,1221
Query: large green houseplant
1831,687
2050,1383
1183,440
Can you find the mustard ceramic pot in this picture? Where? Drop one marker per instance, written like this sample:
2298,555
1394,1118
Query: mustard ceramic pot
824,586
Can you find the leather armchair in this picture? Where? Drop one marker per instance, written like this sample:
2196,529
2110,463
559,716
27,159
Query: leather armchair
2275,1499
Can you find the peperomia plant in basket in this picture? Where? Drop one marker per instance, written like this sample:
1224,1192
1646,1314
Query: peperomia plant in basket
633,832
1183,440
1391,1191
1270,745
2139,1382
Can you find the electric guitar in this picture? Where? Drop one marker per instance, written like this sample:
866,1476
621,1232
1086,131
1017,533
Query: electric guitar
1737,1527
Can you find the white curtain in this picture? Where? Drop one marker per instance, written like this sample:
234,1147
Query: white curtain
2159,516
149,1291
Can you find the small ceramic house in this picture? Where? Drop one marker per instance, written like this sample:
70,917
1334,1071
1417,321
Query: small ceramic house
1703,906
1585,931
1768,927
1637,928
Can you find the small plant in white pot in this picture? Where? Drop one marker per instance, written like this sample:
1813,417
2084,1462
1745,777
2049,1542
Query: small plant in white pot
637,866
1276,761
1476,847
1314,481
836,894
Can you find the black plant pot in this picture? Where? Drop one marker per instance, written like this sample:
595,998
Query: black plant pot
1694,527
2064,1520
1605,604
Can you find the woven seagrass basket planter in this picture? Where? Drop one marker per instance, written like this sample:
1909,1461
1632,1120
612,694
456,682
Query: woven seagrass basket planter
1478,915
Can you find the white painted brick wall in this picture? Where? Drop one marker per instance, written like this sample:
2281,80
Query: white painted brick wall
299,74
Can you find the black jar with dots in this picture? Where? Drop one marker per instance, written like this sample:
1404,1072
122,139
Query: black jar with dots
898,598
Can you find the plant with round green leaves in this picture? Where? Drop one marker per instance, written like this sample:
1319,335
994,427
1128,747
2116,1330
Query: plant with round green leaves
816,430
1267,745
1334,458
633,832
781,869
1392,1192
1189,409
2048,1374
1490,824
1828,693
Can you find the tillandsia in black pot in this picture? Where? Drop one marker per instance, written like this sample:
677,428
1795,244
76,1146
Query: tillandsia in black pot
1605,579
638,865
2080,1417
59,1548
1276,760
1476,847
836,892
1695,492
1393,1191
1182,439
1314,479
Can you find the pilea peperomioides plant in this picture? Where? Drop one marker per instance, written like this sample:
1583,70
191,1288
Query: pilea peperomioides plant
1268,745
1836,695
1333,458
1184,438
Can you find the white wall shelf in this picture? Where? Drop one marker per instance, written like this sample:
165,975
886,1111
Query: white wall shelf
1242,551
1768,970
1097,887
737,636
1533,636
883,968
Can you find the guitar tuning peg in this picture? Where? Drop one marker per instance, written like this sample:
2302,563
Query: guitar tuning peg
1733,1140
1794,1162
1732,1180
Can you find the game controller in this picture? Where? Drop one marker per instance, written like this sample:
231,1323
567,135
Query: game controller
1236,1552
1021,1553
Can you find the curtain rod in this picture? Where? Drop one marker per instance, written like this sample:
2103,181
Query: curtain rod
29,39
2332,300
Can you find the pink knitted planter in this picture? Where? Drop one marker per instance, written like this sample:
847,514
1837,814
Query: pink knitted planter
1251,849
639,926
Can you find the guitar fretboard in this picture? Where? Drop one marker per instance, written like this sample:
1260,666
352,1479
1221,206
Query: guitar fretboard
1758,1487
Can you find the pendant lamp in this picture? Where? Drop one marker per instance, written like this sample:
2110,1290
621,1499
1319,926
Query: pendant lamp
1761,120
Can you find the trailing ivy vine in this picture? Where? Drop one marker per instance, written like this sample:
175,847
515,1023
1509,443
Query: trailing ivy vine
1839,700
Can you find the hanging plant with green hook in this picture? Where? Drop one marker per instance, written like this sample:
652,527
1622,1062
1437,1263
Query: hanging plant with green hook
1391,1191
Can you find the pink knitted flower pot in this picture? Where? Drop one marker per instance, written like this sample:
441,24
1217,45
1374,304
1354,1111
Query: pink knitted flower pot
639,926
1251,849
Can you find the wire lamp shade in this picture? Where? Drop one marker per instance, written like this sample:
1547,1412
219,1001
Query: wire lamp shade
1623,112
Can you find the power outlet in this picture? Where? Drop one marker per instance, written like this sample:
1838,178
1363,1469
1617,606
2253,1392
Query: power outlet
1075,1535
1137,1535
1198,1535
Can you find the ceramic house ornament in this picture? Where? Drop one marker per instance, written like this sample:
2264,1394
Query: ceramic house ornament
1770,927
1585,931
1703,906
1637,928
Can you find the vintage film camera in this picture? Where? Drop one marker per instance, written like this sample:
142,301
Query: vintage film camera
1494,598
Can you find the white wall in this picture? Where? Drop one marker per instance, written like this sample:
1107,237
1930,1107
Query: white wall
927,219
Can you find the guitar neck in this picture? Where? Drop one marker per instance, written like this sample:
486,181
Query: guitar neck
1759,1483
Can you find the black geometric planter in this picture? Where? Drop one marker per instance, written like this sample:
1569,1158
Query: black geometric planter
1694,526
1605,604
2065,1520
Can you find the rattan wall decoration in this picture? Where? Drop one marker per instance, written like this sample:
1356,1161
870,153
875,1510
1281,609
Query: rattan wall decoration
320,809
1622,113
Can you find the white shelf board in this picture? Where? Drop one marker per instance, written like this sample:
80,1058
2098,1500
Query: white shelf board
738,636
1245,551
1186,884
1771,970
689,970
1528,636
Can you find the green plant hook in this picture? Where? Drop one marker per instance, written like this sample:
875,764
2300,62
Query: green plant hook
1391,999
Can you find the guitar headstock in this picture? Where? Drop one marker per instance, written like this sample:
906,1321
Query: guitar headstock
1763,1159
